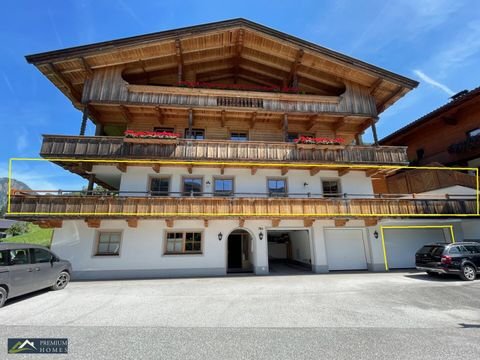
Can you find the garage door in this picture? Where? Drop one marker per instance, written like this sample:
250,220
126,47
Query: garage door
345,249
402,244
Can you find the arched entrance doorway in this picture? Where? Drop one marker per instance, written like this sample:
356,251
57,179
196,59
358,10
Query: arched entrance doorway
239,252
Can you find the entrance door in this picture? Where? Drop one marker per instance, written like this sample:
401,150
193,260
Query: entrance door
234,251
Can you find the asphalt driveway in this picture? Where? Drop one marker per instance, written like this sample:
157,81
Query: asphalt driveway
345,315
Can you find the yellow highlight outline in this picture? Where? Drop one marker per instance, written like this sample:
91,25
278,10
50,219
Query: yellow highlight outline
250,164
410,227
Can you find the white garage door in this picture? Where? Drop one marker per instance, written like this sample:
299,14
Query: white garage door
345,249
402,244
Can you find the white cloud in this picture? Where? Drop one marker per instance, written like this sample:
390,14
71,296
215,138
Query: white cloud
433,82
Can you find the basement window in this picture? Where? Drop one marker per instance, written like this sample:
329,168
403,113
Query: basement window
183,243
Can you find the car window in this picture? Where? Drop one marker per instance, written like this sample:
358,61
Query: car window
458,250
41,255
3,258
472,249
19,257
431,249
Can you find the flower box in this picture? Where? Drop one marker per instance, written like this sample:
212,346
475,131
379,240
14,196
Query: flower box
320,146
151,141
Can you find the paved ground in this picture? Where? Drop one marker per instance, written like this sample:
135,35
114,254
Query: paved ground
334,316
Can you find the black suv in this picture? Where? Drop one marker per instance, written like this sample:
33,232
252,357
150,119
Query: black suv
462,259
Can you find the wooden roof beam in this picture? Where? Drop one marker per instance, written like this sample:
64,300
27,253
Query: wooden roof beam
385,103
156,168
375,86
238,53
122,167
308,222
340,222
312,122
93,223
253,170
241,222
179,56
275,222
86,67
160,117
205,223
284,170
370,221
293,76
133,222
169,223
343,171
126,114
223,119
314,171
70,89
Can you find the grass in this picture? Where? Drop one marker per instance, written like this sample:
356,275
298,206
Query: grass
36,236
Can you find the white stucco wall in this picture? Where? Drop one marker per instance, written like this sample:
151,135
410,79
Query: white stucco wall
355,182
451,190
471,229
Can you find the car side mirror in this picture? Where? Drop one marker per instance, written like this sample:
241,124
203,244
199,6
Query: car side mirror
53,259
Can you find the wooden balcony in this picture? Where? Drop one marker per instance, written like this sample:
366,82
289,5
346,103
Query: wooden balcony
98,147
32,207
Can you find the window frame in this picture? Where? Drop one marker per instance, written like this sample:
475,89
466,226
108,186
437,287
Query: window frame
184,235
151,178
215,178
246,132
97,243
164,129
331,195
277,178
187,135
184,193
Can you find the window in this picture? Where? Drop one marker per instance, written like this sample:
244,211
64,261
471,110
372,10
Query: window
238,136
277,187
19,257
473,249
3,258
41,256
198,134
108,244
163,129
420,154
292,136
330,188
160,186
192,186
184,243
458,250
223,187
473,133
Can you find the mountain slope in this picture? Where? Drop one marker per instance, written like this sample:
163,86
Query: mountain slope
4,190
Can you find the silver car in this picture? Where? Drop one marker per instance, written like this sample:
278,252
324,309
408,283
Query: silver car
26,268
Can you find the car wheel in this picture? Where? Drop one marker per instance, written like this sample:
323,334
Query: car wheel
3,296
468,272
62,280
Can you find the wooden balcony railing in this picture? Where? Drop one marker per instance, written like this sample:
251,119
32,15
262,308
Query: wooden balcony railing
33,206
60,146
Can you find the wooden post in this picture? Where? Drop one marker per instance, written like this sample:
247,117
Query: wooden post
374,132
98,130
84,120
358,139
190,123
285,127
91,183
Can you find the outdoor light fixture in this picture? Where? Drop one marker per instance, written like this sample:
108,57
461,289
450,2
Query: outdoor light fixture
208,183
260,236
375,234
305,184
220,236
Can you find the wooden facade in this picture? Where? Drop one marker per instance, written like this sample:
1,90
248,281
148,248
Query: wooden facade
446,136
71,207
108,147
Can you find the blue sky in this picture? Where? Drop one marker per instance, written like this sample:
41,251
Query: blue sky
434,41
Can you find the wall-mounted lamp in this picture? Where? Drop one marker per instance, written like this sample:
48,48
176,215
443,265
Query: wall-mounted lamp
305,184
220,236
208,182
375,234
260,236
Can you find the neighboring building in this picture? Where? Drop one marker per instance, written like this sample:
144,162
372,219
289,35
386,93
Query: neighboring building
449,135
4,226
233,192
